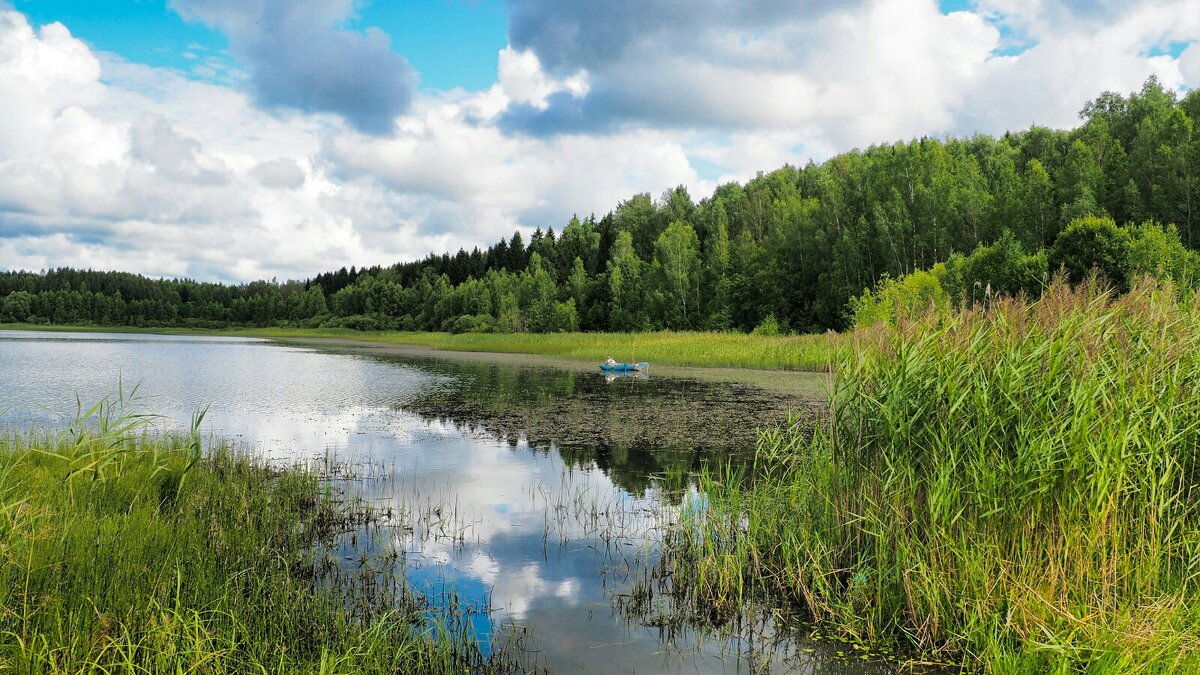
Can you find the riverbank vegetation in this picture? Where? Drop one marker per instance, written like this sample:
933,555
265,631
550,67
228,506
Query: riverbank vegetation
786,251
127,552
715,350
1013,487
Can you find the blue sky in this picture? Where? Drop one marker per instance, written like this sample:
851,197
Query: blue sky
451,43
294,136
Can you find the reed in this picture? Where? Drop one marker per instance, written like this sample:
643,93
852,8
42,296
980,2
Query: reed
123,551
1013,488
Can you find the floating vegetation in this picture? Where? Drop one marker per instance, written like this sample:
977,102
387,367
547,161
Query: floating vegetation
639,432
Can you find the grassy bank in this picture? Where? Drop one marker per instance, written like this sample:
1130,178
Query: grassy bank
724,350
1014,489
127,553
730,350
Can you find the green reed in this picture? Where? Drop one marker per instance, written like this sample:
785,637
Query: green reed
123,551
1013,488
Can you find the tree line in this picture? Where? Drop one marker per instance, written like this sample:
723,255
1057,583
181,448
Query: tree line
789,249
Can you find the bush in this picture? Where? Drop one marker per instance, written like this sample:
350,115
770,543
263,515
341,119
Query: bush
470,323
1092,243
354,322
768,327
903,298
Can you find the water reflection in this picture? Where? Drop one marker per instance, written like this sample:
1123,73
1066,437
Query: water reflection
535,492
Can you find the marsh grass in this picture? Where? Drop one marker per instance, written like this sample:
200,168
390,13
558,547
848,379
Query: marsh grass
123,551
1013,488
733,350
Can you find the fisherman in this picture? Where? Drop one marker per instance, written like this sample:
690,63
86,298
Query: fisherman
610,361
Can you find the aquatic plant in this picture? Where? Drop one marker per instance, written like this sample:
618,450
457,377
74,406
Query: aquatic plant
1013,488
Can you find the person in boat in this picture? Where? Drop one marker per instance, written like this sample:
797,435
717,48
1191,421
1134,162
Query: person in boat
610,361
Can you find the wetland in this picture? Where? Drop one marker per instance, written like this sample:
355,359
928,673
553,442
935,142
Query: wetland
525,503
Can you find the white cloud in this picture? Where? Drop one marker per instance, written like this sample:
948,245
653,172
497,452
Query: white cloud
1189,65
282,174
1074,60
112,164
522,79
856,73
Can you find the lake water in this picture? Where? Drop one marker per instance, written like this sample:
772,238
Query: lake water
537,492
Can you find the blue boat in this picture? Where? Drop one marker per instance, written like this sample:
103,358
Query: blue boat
624,367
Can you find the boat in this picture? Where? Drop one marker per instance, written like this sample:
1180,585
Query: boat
611,376
624,367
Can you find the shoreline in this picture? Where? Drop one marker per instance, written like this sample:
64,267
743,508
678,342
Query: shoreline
804,383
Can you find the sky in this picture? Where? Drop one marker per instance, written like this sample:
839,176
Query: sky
235,140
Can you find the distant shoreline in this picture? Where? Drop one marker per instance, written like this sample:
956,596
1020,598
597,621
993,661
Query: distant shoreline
805,383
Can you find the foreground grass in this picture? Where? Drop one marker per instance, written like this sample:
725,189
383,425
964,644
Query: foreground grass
711,350
1013,489
125,553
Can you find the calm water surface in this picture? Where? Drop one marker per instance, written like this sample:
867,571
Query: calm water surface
539,491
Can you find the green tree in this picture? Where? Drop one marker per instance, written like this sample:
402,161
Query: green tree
716,271
1002,268
17,307
676,269
625,272
1040,212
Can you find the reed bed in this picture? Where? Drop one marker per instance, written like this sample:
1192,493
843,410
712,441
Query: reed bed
123,551
1011,488
700,349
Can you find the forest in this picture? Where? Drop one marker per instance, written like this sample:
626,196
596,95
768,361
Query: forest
792,250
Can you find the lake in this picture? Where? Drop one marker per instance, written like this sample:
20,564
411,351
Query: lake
536,494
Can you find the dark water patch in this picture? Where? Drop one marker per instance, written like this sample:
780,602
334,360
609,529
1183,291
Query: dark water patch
640,431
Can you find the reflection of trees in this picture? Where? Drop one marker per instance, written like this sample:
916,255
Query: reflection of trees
641,433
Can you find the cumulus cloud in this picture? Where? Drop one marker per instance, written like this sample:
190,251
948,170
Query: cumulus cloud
1189,64
112,164
301,57
571,34
843,74
281,174
115,165
473,175
166,151
856,69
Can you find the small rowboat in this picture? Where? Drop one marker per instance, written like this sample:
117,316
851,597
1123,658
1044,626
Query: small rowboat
624,367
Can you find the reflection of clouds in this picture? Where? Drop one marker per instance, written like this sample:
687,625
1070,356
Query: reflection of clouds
530,524
278,400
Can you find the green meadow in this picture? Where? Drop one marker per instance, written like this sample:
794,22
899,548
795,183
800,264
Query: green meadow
700,349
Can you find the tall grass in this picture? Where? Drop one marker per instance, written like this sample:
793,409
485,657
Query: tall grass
1014,488
123,552
735,350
